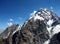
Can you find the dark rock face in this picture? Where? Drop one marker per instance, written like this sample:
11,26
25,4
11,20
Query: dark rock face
55,39
34,32
15,38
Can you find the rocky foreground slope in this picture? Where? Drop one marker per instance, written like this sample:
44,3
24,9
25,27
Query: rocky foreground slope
38,29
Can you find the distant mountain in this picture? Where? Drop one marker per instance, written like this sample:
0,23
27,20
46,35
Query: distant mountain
8,33
42,28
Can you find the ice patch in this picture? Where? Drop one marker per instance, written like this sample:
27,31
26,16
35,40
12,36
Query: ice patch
47,42
39,13
49,23
49,30
56,30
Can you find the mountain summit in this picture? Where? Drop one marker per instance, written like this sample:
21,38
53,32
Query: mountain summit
48,16
39,29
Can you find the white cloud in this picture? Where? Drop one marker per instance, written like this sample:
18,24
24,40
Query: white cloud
9,23
51,7
11,19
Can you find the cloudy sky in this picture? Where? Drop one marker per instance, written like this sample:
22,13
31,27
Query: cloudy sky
17,11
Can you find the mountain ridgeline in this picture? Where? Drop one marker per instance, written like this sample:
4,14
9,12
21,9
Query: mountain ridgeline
42,28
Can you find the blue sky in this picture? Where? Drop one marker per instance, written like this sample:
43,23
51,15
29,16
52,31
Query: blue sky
19,10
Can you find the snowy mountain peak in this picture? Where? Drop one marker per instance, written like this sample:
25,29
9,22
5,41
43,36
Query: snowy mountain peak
45,13
48,16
